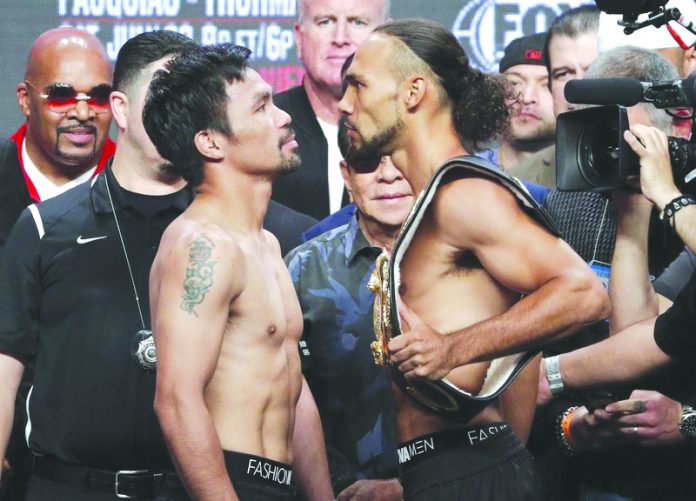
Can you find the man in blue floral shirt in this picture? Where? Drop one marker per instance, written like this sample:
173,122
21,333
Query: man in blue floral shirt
330,274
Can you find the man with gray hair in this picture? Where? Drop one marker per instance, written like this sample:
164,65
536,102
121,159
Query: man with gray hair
642,64
326,33
620,463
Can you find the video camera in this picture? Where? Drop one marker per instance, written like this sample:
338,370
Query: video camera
592,155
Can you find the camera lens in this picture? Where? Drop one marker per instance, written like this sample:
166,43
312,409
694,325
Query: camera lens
599,152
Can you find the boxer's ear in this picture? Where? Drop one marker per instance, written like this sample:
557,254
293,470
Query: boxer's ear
415,90
208,144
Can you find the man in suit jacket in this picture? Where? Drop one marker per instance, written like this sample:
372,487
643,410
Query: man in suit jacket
326,33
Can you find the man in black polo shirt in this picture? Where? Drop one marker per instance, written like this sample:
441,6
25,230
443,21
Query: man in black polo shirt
73,289
63,142
64,139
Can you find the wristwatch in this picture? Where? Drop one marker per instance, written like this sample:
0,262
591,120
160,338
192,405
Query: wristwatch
553,375
687,421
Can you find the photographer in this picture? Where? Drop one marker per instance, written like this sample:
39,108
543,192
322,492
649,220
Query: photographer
609,462
642,343
676,211
646,342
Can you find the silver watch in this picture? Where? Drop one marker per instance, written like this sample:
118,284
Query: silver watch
553,375
687,421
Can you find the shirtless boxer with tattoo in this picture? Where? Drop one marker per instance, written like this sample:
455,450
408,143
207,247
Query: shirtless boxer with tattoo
479,277
225,315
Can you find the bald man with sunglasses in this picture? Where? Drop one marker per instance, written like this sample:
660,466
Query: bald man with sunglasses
64,97
63,142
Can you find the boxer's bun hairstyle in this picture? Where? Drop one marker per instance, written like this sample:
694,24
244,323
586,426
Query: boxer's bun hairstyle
480,102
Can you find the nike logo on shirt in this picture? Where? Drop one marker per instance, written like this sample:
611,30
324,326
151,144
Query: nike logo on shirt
81,240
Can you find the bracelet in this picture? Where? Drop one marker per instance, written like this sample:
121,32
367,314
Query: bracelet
565,427
553,375
675,205
565,440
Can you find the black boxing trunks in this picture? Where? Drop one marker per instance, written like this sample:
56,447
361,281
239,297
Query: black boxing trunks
482,462
256,478
443,397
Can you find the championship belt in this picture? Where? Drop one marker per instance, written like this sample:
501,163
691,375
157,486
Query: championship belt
381,309
443,397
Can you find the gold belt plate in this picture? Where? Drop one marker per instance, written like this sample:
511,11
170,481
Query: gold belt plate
381,310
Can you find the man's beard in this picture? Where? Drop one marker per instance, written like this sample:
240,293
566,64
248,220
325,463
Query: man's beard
532,140
289,164
535,141
77,159
376,147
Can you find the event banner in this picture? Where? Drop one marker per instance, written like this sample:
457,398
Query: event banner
264,26
483,27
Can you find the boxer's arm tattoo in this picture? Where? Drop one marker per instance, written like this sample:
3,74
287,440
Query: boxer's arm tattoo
199,275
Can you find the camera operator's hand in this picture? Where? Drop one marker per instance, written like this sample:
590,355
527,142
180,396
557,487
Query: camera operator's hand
656,180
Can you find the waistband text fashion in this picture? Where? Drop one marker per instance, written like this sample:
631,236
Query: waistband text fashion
268,471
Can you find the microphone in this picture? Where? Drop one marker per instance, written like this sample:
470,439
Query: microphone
623,91
629,91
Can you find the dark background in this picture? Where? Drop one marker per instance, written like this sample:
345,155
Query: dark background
483,27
